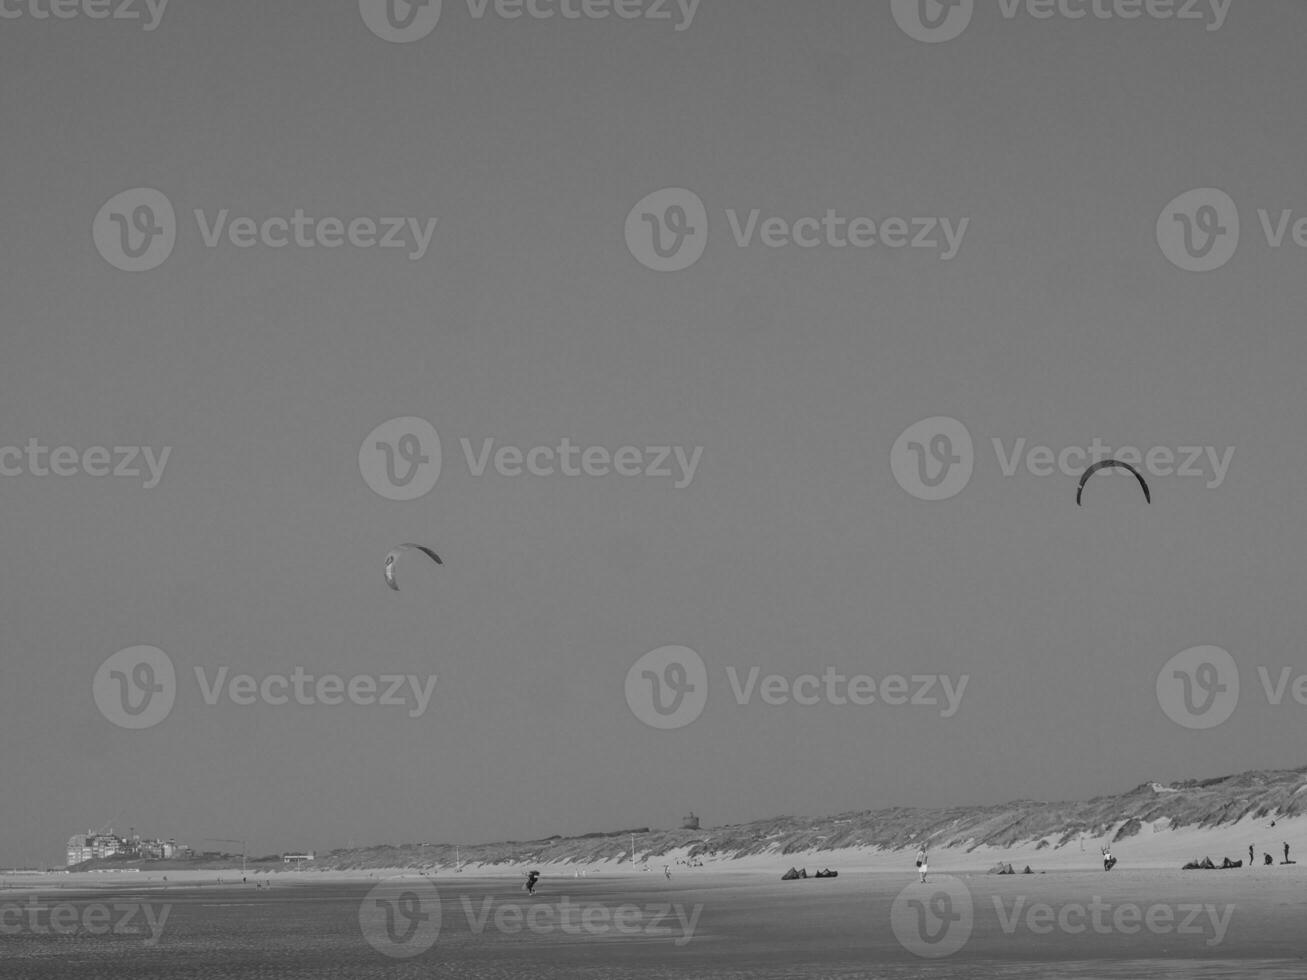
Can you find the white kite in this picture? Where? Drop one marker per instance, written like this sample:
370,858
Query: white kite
390,561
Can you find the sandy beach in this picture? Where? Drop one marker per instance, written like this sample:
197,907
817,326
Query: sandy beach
701,923
1068,919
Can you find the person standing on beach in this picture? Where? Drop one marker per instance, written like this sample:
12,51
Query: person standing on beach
1252,858
1286,852
921,861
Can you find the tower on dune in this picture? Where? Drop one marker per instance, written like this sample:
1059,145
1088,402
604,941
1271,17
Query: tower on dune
690,823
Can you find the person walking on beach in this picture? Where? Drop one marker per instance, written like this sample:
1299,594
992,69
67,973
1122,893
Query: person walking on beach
531,878
921,861
1252,857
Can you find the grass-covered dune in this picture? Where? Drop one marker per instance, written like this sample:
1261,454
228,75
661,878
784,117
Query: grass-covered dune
1201,804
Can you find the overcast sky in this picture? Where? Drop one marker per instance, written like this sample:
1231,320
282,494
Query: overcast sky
1058,318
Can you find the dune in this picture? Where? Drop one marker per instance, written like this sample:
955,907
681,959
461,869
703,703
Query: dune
1153,826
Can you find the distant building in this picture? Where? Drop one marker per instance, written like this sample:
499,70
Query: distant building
160,850
691,822
288,858
90,846
78,849
95,846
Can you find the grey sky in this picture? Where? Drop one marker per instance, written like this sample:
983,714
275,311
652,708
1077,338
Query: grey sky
528,320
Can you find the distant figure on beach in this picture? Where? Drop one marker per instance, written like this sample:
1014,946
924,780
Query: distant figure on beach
1267,859
1252,857
667,871
1286,852
921,861
531,878
1108,861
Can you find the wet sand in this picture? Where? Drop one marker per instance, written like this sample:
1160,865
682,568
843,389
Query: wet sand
1245,923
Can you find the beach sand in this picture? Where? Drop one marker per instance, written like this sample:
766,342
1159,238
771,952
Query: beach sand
1145,918
703,923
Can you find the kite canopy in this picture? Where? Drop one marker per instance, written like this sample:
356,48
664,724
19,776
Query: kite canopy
1094,468
390,561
